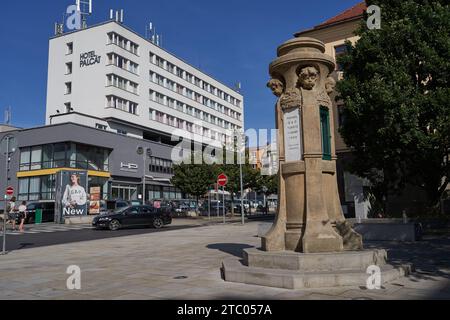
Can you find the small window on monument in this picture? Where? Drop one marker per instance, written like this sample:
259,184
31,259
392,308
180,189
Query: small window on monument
326,133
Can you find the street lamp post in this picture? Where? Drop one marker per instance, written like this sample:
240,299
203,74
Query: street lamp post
240,142
145,152
8,143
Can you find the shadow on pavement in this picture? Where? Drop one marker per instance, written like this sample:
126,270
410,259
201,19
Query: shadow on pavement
234,249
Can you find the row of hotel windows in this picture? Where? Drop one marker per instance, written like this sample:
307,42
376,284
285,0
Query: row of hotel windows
114,38
160,62
121,62
175,87
122,83
177,105
122,104
188,126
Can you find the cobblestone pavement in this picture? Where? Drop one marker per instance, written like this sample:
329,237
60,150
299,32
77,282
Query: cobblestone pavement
184,264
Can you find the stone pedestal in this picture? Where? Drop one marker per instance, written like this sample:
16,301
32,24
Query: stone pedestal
293,270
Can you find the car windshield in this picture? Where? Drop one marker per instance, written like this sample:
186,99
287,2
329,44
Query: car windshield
122,210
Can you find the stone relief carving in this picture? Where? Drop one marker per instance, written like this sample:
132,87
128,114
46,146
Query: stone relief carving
330,85
291,99
308,78
276,86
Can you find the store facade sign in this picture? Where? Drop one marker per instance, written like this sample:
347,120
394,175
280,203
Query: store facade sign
129,167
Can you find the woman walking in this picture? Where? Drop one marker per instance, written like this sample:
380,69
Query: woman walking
22,215
12,213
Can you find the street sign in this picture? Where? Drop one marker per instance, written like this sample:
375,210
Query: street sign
222,180
9,191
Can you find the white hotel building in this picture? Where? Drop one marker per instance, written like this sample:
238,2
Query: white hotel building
110,78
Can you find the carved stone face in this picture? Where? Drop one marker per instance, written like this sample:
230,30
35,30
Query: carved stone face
330,84
276,86
308,78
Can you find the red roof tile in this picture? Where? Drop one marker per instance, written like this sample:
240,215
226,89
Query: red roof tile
354,12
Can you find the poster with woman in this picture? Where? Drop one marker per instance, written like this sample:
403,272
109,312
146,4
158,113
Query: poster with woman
72,197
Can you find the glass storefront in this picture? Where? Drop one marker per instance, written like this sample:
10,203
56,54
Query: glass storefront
64,155
44,187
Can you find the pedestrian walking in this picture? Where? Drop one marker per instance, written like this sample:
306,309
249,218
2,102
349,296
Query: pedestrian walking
12,212
22,215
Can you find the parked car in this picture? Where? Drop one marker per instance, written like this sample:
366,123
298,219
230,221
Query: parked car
133,216
48,211
112,205
237,207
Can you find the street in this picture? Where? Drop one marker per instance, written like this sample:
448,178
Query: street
50,234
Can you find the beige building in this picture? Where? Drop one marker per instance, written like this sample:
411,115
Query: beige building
334,32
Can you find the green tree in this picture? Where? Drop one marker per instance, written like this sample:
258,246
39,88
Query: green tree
396,98
249,176
267,185
194,179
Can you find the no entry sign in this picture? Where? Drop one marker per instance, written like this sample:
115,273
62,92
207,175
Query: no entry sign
222,180
9,191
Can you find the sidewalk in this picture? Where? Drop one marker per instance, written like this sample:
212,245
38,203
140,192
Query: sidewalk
184,264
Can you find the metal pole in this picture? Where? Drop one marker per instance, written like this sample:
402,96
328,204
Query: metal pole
6,185
242,186
144,178
209,205
224,209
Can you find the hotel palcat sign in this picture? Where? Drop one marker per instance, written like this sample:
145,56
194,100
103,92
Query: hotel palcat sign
89,58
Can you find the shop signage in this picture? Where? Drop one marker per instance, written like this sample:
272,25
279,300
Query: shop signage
129,167
89,59
95,197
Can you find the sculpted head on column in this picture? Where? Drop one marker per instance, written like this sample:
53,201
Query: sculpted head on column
308,78
276,86
330,85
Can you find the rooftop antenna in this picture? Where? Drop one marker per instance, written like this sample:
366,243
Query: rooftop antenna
84,7
8,116
238,87
119,15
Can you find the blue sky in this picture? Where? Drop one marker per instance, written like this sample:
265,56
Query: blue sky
232,40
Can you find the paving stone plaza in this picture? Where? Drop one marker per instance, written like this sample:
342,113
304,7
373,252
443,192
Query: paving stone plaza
185,264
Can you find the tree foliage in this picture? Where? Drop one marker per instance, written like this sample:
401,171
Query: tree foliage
194,179
396,98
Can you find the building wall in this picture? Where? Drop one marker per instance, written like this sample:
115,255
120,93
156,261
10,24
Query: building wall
123,152
90,87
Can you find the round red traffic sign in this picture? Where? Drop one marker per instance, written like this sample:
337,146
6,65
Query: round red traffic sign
222,180
9,191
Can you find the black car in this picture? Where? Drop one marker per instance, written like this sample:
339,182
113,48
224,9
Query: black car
133,216
48,211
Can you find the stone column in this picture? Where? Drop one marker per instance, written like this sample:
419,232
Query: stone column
309,206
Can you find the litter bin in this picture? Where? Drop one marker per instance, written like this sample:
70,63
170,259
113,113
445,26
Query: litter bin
38,216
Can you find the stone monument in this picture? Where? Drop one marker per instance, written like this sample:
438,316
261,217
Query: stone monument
310,243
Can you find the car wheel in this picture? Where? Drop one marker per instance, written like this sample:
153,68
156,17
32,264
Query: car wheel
114,225
30,220
158,223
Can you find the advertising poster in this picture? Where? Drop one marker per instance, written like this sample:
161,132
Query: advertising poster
71,195
94,204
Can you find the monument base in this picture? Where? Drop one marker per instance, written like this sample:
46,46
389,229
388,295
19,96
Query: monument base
292,270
